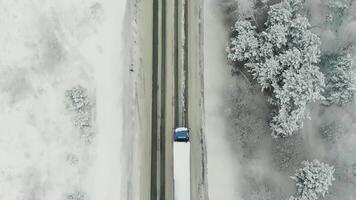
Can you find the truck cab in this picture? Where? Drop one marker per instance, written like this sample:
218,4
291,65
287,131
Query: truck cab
181,134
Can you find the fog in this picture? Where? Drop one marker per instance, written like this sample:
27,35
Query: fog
330,135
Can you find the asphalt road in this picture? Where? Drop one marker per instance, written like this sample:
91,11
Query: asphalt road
176,97
195,100
162,119
143,68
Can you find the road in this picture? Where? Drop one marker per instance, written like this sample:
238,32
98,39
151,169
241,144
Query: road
163,93
195,100
174,64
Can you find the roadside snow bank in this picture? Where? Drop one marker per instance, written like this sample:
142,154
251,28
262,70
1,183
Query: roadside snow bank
107,173
223,166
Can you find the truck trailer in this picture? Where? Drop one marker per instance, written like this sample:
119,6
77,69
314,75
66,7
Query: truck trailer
181,164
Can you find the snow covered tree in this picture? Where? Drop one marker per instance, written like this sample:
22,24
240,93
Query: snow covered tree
340,79
313,180
283,59
245,44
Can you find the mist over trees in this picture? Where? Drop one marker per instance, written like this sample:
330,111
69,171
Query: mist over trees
338,63
337,9
283,60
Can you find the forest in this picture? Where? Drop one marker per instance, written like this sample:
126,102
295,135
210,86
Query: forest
292,104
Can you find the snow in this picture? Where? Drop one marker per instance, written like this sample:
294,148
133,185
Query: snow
49,47
222,163
107,175
181,129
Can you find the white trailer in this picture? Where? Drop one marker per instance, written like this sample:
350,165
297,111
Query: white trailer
181,170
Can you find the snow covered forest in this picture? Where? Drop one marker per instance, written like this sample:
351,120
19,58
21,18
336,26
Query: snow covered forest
290,103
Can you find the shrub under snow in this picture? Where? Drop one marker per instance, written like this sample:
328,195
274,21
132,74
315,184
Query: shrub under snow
313,180
78,195
283,59
78,101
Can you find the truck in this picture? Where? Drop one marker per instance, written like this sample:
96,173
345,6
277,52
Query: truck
181,163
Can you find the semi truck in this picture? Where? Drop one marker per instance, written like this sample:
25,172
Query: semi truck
181,163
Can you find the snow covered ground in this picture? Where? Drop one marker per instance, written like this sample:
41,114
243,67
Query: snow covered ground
223,167
49,47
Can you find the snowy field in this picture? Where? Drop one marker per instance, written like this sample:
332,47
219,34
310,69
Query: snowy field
64,70
244,161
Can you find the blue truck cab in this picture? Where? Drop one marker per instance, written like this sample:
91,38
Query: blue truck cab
181,134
